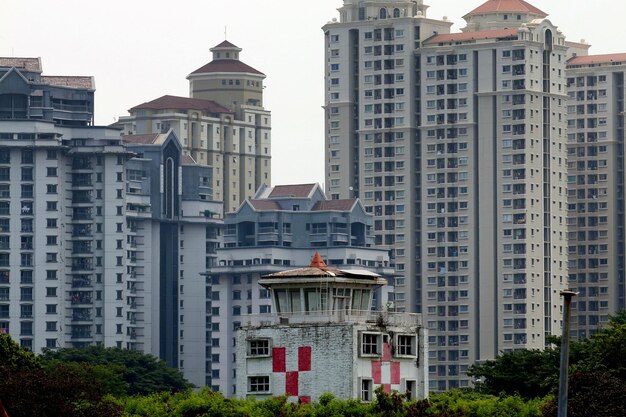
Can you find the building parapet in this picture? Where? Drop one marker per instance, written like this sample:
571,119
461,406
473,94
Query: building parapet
378,318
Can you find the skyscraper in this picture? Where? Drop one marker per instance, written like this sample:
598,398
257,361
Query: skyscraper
595,137
457,143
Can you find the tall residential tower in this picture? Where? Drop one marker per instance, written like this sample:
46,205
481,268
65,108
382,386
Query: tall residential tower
456,142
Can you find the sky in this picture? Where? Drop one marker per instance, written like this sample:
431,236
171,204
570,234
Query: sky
139,50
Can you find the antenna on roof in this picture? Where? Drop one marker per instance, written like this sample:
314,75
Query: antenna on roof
225,32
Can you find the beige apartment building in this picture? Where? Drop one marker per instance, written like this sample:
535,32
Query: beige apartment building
595,117
457,143
222,124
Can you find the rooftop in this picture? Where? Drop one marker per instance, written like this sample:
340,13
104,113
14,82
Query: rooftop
505,6
29,64
597,59
227,65
85,82
168,102
147,139
469,36
225,44
294,191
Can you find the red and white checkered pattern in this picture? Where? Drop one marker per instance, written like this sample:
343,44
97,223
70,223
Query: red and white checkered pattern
281,362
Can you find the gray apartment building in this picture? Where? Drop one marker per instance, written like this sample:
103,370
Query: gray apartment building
466,149
281,228
104,240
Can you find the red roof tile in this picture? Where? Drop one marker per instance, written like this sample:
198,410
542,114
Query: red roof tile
182,103
264,205
296,191
468,36
225,44
597,59
317,261
340,205
69,81
506,6
146,139
29,64
226,65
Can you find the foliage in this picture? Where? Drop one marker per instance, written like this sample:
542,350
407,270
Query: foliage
529,373
592,394
605,350
136,372
12,355
449,404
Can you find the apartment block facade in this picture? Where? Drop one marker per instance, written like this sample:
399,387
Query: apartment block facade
279,229
463,146
104,240
595,117
222,124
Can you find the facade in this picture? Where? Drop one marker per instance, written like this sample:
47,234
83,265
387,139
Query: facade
479,143
324,337
595,132
222,124
173,229
104,240
277,230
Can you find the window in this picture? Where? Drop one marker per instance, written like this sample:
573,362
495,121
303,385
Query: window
371,344
51,172
406,345
259,347
366,389
259,384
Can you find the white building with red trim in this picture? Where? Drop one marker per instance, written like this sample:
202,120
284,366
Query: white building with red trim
324,337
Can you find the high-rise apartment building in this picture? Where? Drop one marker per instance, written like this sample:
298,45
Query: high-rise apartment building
222,124
595,133
104,240
460,152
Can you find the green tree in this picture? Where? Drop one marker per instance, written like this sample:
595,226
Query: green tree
140,373
12,355
29,389
605,350
529,373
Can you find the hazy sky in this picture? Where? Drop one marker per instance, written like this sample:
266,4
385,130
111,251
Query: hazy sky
139,50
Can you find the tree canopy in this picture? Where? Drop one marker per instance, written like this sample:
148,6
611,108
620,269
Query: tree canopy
135,372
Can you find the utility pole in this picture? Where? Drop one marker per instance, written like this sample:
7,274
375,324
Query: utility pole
563,374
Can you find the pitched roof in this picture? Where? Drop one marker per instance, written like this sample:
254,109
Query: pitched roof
182,103
506,6
317,261
597,59
187,160
468,36
295,191
69,81
227,65
340,205
29,64
146,139
264,205
225,44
